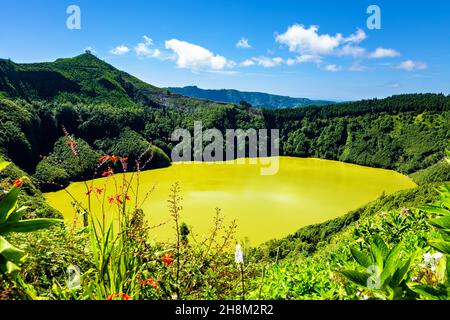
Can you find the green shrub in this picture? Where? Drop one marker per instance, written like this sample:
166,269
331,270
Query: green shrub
62,165
132,145
439,172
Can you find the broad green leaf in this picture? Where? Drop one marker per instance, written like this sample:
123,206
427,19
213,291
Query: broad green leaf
360,257
12,268
401,272
442,246
443,222
28,225
430,293
435,210
356,277
8,204
445,233
17,214
381,245
391,264
379,251
9,252
3,165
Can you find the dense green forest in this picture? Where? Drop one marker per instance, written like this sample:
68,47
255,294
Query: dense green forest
57,119
96,103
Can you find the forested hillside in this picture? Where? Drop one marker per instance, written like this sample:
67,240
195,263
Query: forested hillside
105,109
256,99
405,133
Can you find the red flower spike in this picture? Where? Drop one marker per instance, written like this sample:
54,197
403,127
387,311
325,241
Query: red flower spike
103,159
167,259
18,183
125,296
108,172
118,200
150,281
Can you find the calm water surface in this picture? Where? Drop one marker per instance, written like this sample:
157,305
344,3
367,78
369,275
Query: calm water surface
303,192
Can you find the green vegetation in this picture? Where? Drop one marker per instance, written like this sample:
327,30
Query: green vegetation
11,257
438,172
405,133
396,247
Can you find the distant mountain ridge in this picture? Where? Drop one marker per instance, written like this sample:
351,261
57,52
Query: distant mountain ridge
256,99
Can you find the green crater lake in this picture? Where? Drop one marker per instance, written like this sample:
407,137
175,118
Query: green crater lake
303,192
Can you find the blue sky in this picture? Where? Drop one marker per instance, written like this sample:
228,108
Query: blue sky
314,49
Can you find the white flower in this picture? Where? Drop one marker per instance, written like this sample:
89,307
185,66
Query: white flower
428,258
438,256
239,255
431,260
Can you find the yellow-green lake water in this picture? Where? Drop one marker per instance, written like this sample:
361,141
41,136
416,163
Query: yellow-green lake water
303,192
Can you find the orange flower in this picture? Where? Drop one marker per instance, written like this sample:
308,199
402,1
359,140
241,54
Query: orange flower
103,159
99,190
88,192
127,197
167,259
71,143
118,200
18,183
125,296
113,158
111,199
123,160
150,281
108,172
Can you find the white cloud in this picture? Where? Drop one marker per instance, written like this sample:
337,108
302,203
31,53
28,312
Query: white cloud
307,40
148,41
380,53
143,49
119,50
332,68
351,50
243,44
247,63
357,37
267,62
304,58
194,57
410,65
